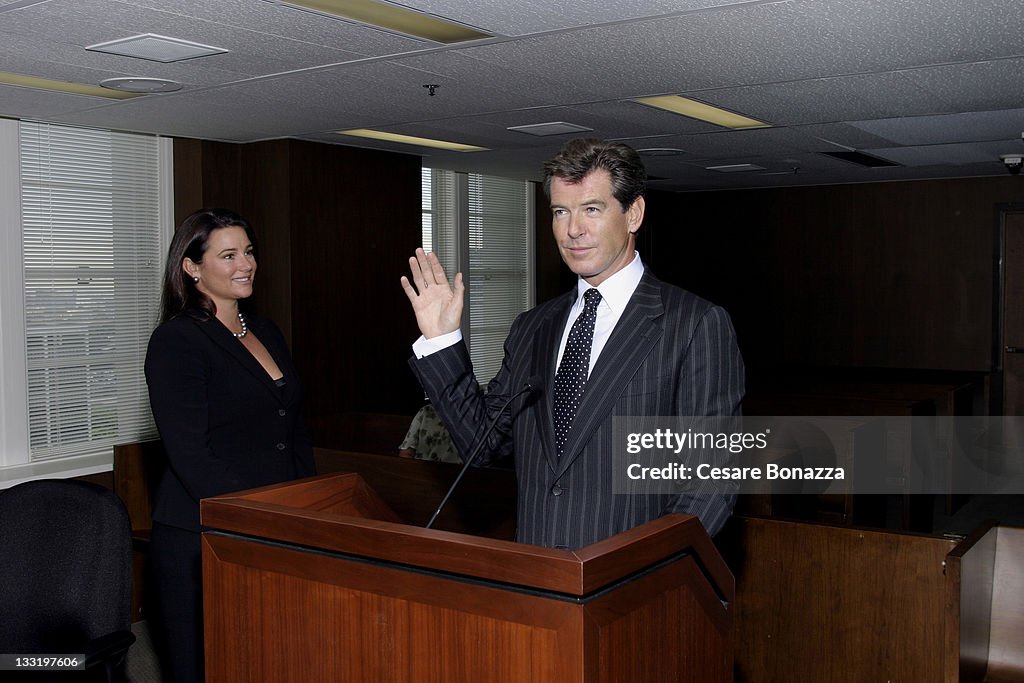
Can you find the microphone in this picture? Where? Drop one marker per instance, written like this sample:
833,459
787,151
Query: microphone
533,383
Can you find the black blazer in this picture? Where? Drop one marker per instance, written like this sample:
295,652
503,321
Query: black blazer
671,354
224,423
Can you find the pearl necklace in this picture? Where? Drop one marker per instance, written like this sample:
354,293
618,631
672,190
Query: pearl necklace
245,328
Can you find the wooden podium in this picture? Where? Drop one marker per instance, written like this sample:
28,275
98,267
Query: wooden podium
317,580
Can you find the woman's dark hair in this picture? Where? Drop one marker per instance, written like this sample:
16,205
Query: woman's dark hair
578,158
190,241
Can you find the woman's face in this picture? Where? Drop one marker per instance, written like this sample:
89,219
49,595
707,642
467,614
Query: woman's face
228,267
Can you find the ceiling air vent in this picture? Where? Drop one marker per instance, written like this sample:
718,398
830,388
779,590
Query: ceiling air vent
156,48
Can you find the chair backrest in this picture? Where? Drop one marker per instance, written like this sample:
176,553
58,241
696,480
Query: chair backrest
65,565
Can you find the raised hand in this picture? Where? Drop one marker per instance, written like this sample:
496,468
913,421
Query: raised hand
437,305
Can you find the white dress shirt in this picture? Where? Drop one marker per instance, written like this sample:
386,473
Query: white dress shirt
615,294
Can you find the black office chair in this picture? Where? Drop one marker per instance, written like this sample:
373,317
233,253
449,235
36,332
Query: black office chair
66,575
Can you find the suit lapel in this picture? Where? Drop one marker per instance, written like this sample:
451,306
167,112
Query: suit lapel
637,331
544,355
223,338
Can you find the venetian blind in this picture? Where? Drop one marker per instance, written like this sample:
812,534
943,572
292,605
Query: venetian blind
91,235
440,219
489,218
498,289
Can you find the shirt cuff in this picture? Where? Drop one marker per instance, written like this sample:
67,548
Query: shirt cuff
424,347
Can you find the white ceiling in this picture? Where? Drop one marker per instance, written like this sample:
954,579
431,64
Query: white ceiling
936,86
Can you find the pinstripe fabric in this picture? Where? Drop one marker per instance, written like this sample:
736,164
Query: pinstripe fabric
671,353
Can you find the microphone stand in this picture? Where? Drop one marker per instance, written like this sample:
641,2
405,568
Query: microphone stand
528,387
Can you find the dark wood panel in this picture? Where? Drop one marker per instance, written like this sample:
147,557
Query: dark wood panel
359,431
969,571
951,393
895,275
188,177
1006,656
822,603
263,178
137,470
1012,311
356,220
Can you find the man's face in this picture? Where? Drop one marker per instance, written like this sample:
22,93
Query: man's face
594,235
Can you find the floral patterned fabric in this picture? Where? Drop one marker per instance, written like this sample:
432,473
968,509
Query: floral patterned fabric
429,438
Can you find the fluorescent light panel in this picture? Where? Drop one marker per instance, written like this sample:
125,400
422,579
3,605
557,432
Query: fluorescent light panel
410,140
394,18
23,81
736,168
659,152
704,112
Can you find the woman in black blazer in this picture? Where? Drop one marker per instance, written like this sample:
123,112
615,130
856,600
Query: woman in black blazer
225,396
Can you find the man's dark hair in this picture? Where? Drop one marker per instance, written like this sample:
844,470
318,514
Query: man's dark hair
581,156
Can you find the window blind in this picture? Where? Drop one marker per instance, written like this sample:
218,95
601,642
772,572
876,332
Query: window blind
498,289
491,218
440,218
91,243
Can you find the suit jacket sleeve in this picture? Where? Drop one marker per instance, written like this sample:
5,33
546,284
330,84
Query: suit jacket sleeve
466,410
713,381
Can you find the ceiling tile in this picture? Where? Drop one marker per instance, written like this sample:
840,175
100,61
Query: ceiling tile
535,16
929,130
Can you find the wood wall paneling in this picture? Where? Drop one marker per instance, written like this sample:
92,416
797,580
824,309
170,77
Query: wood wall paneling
356,220
888,275
263,176
819,603
188,177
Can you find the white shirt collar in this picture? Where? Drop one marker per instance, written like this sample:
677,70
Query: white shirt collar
617,289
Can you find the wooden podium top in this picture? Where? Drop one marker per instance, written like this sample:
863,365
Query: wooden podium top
340,513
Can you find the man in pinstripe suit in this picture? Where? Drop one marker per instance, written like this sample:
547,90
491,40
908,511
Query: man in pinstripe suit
657,350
